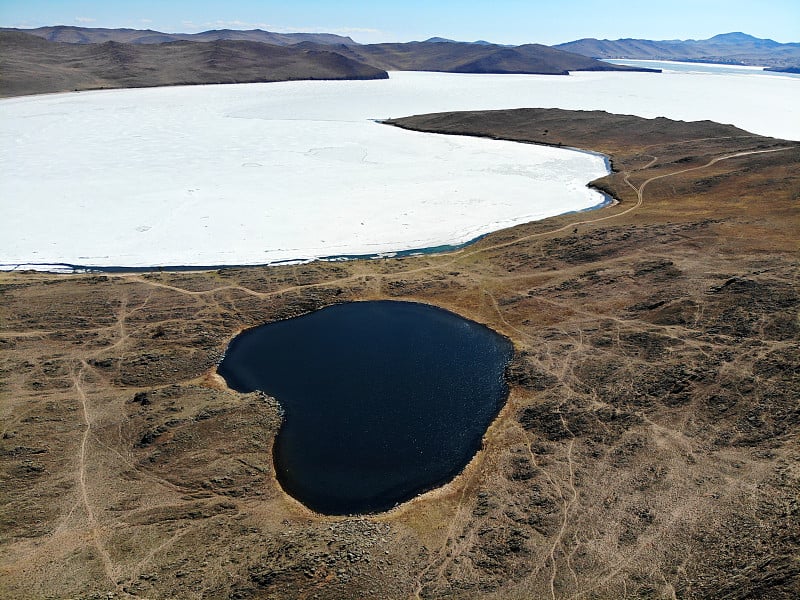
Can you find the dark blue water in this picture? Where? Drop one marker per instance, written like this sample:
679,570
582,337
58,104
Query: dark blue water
382,400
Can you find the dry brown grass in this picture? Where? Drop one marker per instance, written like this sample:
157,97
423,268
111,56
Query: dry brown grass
648,448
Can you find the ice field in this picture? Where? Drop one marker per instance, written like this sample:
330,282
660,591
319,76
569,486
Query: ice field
263,173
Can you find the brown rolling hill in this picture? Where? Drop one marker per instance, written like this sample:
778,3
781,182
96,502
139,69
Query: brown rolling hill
57,59
97,35
465,57
31,65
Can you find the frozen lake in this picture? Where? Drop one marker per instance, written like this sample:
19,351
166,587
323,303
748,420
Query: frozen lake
263,173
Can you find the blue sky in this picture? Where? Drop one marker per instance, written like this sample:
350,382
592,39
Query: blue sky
501,21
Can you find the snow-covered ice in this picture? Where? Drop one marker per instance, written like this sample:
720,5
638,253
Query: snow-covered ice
260,173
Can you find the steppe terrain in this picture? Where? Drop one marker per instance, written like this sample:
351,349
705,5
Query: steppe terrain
649,447
466,57
32,65
69,34
62,59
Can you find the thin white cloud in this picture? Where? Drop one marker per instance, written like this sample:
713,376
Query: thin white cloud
85,20
355,30
323,29
233,25
146,21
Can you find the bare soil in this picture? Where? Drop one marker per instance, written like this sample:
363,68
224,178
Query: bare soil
649,447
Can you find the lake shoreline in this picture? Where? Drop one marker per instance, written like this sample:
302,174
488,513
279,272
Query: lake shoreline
440,365
70,269
655,344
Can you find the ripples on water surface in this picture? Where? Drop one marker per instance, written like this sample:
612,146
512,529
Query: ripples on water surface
382,400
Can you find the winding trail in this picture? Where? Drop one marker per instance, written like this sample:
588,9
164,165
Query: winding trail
463,253
108,565
568,502
566,488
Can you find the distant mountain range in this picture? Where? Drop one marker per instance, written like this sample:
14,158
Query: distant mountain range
441,40
728,48
40,60
96,35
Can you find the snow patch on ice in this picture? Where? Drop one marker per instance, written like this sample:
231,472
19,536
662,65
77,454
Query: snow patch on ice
267,173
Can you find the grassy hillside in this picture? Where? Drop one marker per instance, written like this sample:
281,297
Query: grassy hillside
98,35
32,65
462,57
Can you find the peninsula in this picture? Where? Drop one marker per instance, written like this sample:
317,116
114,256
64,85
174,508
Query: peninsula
648,447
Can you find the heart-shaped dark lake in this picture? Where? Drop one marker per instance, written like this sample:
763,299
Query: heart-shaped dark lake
383,400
